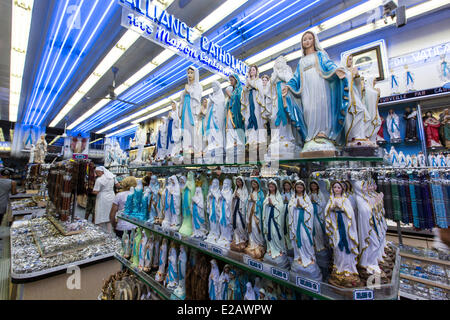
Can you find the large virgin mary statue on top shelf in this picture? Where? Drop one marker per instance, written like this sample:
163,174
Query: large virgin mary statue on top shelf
316,98
189,109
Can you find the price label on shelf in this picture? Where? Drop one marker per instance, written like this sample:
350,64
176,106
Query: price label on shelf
255,264
203,245
363,294
217,250
279,273
178,236
308,284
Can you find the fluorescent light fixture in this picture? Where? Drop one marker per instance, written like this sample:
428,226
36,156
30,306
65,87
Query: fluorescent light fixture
96,140
121,130
20,30
54,140
206,24
354,12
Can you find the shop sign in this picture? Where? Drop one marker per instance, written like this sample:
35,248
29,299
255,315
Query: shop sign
420,55
308,284
164,29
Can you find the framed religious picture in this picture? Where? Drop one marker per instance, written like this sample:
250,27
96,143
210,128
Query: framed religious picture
370,60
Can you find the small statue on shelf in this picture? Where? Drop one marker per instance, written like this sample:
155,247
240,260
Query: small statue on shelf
149,253
433,161
393,126
395,88
319,234
255,203
172,268
198,215
414,161
180,291
273,226
214,284
441,159
444,70
142,246
215,130
32,150
40,150
401,159
234,122
226,226
156,252
187,194
411,124
380,133
250,293
431,127
444,118
234,287
173,136
421,159
393,157
342,232
199,133
125,245
301,226
155,199
409,79
213,202
240,196
286,194
224,280
160,275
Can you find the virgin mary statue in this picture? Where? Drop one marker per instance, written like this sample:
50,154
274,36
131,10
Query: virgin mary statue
316,98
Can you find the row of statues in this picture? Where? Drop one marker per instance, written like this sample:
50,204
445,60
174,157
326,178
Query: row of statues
400,160
270,220
312,109
38,151
114,155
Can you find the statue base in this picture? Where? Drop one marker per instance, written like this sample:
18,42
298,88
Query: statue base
318,148
310,272
362,151
280,261
240,247
395,141
255,252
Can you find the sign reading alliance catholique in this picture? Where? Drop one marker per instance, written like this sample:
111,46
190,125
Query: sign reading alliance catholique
159,26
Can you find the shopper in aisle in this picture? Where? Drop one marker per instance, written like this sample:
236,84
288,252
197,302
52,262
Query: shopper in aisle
104,190
119,225
7,186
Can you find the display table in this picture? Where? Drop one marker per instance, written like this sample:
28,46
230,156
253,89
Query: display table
46,264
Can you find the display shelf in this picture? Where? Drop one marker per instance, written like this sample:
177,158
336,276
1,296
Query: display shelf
425,281
37,211
410,296
319,290
22,195
146,278
258,163
412,256
431,93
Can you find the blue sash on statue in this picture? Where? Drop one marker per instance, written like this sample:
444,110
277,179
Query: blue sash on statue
252,122
223,219
281,113
213,209
225,292
316,214
159,145
375,225
445,68
187,105
197,218
272,218
300,223
394,124
286,215
409,78
186,211
172,205
212,290
343,242
172,273
166,201
29,139
208,122
169,134
180,273
393,80
235,213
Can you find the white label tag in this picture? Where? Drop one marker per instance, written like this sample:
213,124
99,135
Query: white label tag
307,284
282,274
217,251
363,294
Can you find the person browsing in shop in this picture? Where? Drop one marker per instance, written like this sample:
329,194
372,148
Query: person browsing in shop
7,186
104,190
118,205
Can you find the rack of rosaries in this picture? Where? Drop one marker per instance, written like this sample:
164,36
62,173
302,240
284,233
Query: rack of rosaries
36,178
288,230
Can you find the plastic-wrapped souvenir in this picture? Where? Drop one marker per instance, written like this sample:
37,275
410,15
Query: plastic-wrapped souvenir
149,253
239,217
255,247
224,280
273,225
286,194
172,268
226,227
250,293
301,225
342,231
180,291
320,84
155,199
173,140
136,247
213,202
215,125
125,245
318,202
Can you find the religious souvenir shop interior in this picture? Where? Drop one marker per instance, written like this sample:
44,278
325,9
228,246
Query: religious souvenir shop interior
225,150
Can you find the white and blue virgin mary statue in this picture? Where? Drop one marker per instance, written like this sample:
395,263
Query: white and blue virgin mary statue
317,97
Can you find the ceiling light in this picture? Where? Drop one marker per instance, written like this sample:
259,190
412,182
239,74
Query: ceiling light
20,30
54,140
121,130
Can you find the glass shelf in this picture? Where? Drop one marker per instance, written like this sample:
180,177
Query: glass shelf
318,290
146,278
258,163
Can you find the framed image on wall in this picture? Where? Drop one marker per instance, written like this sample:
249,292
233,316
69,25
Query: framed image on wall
370,60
